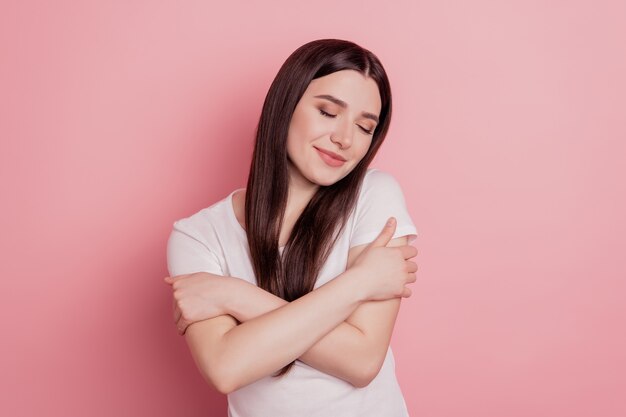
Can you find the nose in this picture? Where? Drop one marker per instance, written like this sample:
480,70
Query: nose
342,135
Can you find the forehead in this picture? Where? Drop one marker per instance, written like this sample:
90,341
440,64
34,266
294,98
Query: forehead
359,92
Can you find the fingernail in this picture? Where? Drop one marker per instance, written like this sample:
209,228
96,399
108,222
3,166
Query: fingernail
390,221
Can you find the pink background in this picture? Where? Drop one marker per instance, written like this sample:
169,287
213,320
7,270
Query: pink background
118,118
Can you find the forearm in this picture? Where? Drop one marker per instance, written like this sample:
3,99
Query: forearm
285,333
342,352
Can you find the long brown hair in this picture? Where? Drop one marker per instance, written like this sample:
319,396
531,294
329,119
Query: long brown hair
294,274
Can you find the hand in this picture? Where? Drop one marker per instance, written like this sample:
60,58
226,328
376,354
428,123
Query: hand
384,271
198,296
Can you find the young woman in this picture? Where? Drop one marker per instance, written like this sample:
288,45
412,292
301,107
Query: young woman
287,291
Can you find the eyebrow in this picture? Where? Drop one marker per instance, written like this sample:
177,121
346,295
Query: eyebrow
344,105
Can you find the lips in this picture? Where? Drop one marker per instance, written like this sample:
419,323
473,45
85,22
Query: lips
329,159
331,154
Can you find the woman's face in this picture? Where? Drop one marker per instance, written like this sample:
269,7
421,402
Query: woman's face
336,114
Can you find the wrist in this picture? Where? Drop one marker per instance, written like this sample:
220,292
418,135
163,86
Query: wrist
351,277
236,292
243,300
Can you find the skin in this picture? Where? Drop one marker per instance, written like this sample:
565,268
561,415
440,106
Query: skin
346,324
342,134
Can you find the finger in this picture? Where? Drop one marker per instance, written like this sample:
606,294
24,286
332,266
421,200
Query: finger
385,235
406,293
411,278
177,314
408,251
177,278
411,266
182,325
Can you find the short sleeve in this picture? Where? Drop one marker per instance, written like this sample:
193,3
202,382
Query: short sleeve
187,253
380,198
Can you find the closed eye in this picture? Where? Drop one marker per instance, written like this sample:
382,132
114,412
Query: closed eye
323,113
369,132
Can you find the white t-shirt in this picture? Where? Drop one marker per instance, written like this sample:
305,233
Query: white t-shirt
212,240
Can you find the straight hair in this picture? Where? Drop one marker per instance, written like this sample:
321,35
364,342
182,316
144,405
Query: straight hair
315,232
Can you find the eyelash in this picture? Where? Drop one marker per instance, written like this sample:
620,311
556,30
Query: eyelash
323,113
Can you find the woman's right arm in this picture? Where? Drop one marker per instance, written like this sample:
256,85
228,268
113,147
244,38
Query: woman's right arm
231,356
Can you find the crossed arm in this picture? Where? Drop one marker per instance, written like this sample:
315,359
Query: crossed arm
353,351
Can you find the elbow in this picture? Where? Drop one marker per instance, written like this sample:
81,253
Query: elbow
218,377
367,374
223,388
362,381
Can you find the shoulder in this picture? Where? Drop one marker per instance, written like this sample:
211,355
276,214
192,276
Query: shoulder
377,173
380,197
195,242
379,183
203,224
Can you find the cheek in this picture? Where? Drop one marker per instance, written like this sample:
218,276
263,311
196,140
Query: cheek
295,127
311,124
364,146
304,128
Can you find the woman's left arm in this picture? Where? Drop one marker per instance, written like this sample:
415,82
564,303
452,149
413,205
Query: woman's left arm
375,321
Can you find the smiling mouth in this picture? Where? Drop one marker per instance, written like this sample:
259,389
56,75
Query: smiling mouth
331,154
329,159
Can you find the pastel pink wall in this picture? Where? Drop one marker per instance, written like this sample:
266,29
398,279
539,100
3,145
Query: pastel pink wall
508,137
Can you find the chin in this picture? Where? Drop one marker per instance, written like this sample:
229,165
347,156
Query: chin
324,179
